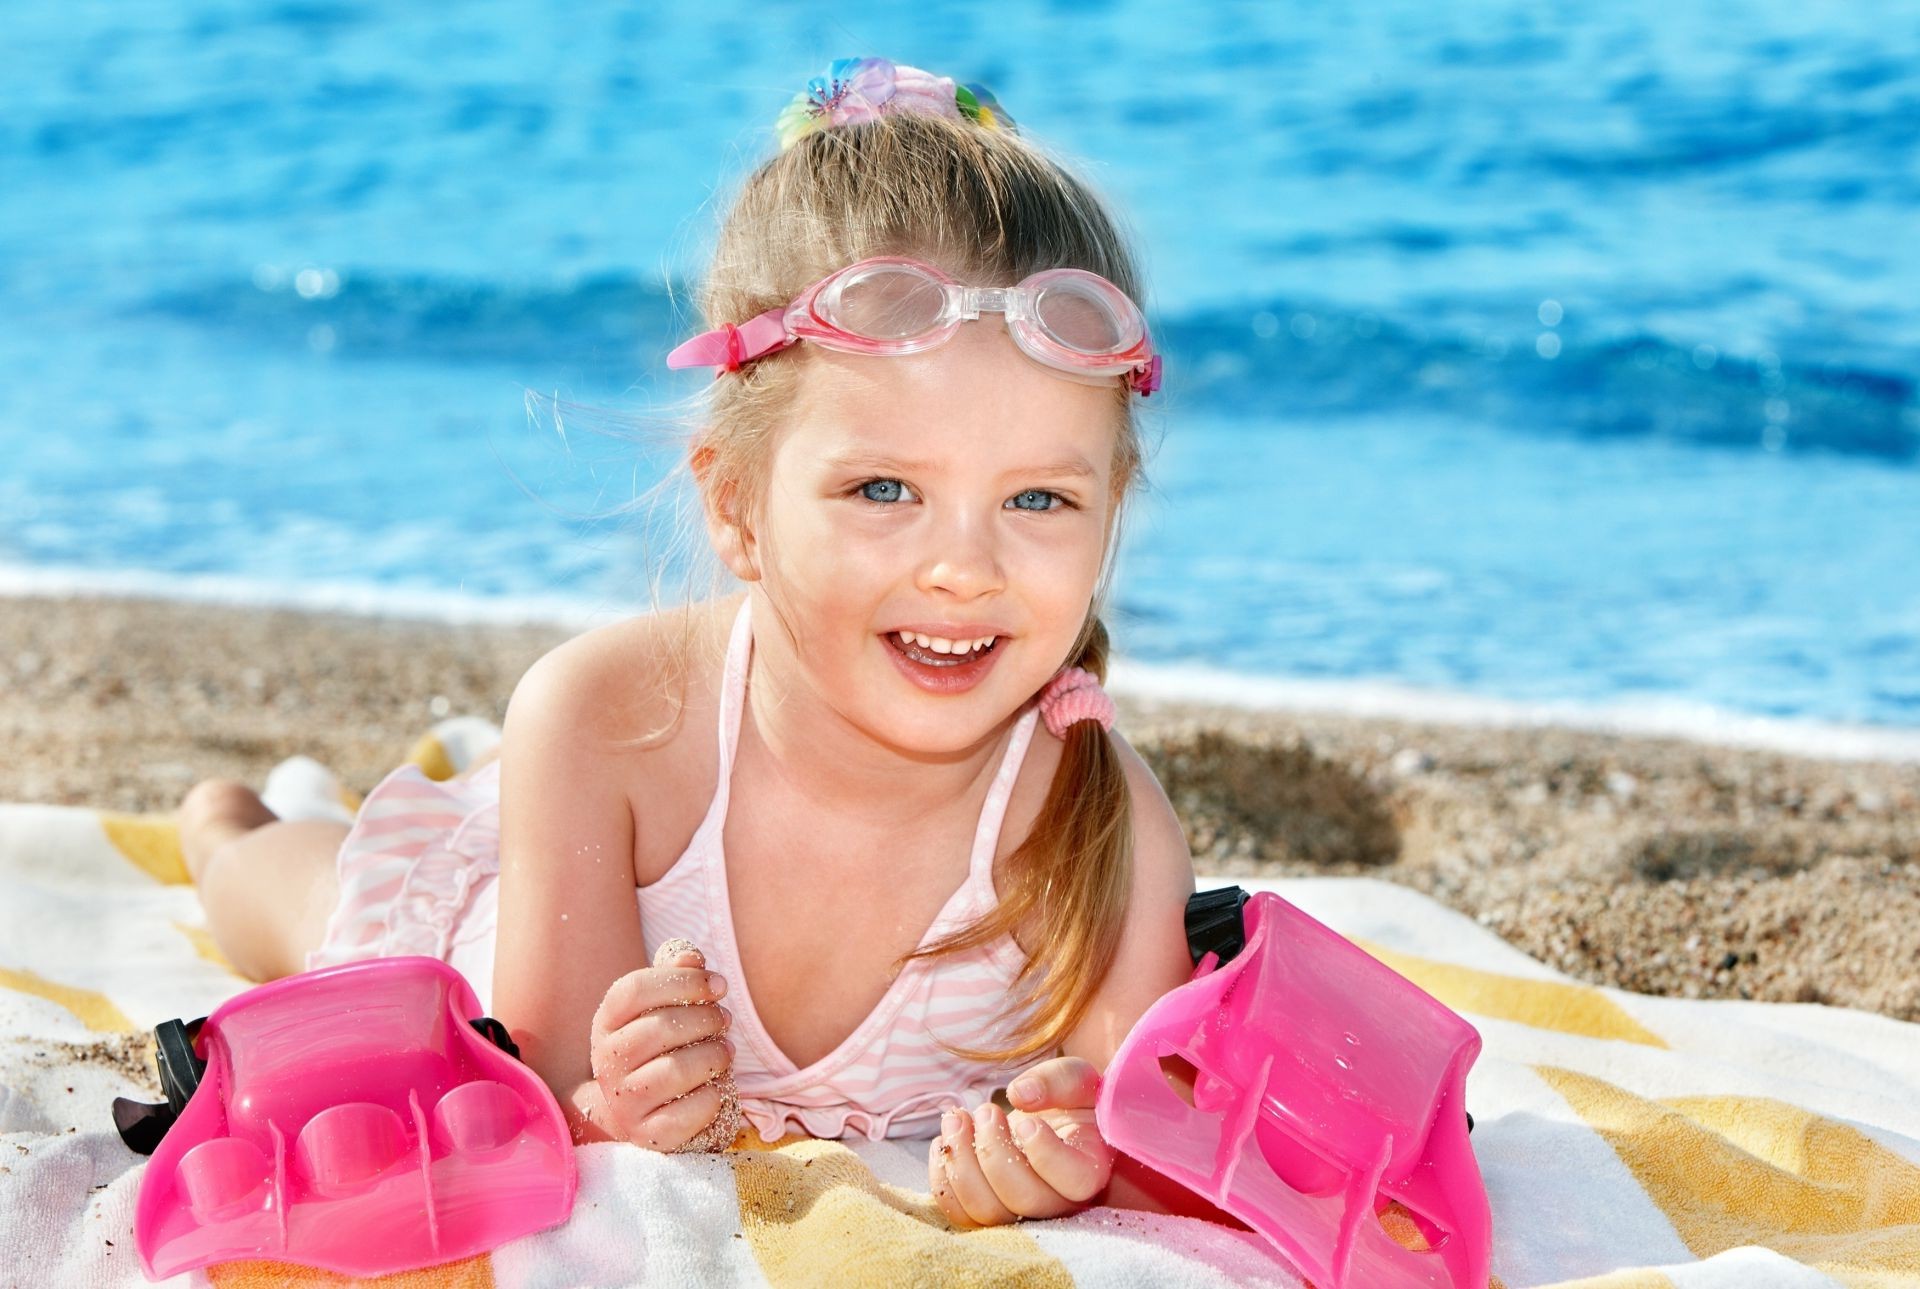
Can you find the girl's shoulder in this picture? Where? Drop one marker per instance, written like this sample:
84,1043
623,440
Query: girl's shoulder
641,696
632,677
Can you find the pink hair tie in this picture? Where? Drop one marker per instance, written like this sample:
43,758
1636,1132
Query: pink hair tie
1075,695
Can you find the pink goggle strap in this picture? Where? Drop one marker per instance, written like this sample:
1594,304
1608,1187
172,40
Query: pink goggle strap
1146,380
728,346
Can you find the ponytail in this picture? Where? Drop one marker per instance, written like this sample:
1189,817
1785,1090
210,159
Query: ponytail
1070,881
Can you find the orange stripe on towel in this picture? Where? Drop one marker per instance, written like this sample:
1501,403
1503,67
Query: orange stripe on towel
1738,1170
1542,1004
203,944
814,1214
95,1010
151,843
432,758
253,1273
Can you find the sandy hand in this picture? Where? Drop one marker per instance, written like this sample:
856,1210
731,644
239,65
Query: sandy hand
1045,1160
661,1055
719,1134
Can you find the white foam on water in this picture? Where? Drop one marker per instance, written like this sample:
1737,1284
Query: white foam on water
1651,716
321,597
1170,682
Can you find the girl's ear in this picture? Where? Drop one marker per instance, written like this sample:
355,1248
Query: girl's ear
732,541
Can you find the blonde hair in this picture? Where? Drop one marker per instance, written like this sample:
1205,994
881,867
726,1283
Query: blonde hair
993,208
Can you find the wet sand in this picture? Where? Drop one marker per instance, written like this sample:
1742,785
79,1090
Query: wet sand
1658,865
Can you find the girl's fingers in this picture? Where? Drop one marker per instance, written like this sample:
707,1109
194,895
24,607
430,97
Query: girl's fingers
660,1030
1079,1170
674,1124
1062,1083
670,955
969,1180
942,1189
1015,1182
641,991
671,1075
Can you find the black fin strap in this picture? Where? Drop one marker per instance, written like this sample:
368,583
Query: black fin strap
1214,925
496,1033
141,1125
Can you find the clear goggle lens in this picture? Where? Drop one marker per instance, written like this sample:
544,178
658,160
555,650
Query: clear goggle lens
1075,314
896,303
889,303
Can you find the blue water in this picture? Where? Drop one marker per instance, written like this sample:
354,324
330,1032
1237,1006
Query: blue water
1538,352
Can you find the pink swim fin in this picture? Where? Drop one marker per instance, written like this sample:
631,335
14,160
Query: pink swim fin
363,1118
1324,1087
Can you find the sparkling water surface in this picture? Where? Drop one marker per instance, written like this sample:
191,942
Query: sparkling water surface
1541,354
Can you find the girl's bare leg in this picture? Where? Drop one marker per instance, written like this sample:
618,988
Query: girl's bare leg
268,885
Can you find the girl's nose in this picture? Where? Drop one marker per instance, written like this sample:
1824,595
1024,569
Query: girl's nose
961,558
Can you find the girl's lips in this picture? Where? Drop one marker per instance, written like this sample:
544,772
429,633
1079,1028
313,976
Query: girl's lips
953,677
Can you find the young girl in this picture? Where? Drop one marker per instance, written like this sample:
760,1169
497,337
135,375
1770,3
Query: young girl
878,788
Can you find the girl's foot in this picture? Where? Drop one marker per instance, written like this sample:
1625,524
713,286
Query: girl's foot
214,812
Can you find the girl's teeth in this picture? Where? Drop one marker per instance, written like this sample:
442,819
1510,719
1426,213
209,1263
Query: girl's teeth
938,645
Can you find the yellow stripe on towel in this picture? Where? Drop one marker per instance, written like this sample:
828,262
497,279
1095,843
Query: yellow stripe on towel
1542,1004
95,1010
151,843
1730,1171
203,944
432,759
813,1214
255,1273
1630,1278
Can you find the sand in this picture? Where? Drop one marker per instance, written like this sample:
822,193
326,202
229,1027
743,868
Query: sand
1656,865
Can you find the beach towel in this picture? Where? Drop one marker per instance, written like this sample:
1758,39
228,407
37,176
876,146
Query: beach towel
1625,1140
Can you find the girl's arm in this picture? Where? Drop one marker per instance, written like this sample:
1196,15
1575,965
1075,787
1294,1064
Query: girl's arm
1152,959
569,923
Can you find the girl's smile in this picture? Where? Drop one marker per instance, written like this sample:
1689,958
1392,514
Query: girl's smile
943,673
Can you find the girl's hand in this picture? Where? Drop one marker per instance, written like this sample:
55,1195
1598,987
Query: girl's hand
1045,1160
660,1052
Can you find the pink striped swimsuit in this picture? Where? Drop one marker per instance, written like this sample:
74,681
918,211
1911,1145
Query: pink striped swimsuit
419,874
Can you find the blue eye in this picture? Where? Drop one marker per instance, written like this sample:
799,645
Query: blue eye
861,490
894,483
1042,492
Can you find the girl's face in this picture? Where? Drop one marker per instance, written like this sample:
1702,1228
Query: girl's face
964,485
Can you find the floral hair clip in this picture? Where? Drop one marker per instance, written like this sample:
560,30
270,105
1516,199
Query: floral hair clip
862,89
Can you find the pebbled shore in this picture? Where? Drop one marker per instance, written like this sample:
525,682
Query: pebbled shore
1656,865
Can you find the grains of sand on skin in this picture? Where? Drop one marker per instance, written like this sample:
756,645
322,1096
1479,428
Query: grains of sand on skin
725,1127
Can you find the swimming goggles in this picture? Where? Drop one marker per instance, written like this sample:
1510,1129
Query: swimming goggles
1075,322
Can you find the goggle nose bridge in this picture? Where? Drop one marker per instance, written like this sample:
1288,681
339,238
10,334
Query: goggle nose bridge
975,299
